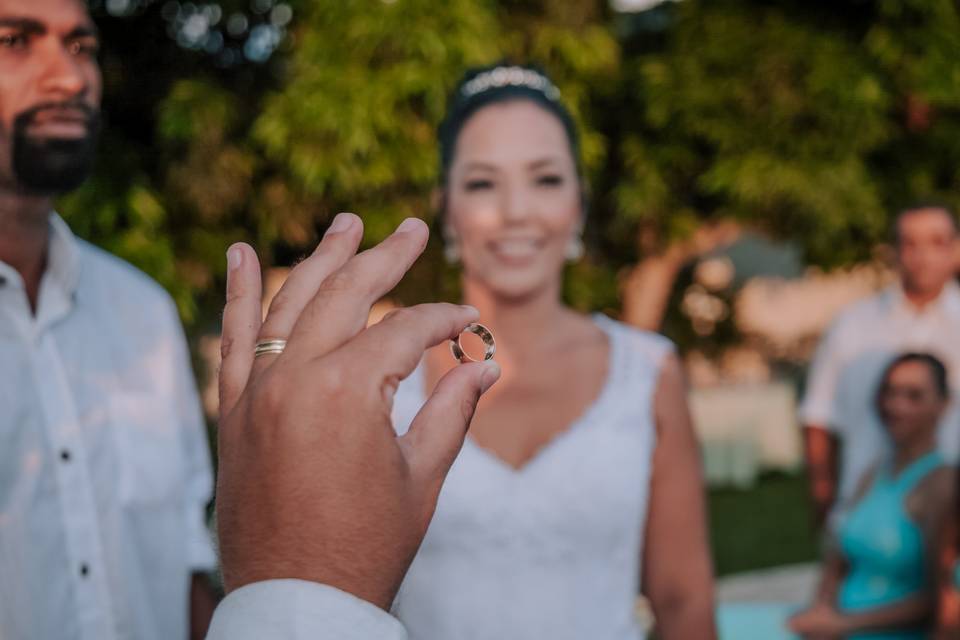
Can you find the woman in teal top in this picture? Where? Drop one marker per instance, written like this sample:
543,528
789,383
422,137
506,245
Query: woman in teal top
879,580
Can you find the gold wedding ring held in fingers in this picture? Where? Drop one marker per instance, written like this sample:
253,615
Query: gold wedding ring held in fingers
489,345
269,346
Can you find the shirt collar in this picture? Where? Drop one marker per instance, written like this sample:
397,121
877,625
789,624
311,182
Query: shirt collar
58,286
947,302
63,257
63,260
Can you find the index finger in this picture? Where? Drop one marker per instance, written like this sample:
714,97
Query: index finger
241,323
401,338
341,306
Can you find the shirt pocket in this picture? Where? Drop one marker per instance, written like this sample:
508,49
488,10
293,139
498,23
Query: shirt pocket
149,454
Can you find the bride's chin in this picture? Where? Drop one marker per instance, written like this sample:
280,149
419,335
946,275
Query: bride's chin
514,292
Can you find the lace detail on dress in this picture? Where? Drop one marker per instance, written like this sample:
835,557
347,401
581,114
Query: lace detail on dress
551,550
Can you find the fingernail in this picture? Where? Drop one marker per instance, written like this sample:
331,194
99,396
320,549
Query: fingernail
409,225
490,376
473,310
234,257
341,223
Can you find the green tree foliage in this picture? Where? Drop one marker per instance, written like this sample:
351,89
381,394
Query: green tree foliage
808,121
751,116
793,119
811,122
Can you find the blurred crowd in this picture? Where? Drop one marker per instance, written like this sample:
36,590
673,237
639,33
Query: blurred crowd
579,486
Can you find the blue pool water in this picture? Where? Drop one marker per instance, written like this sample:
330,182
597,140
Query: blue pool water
755,621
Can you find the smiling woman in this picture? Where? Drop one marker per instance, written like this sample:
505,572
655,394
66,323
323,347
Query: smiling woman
513,199
560,507
878,578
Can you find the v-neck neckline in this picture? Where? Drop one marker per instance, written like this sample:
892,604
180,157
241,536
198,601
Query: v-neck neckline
614,363
897,478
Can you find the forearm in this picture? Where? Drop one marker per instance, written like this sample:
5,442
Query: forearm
822,486
820,448
914,611
948,597
677,571
948,613
937,516
686,616
830,578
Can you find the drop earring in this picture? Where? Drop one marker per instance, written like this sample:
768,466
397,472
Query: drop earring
451,248
575,248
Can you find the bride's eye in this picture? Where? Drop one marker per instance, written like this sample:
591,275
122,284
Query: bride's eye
478,184
550,180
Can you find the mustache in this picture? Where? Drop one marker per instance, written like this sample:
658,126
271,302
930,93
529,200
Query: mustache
29,116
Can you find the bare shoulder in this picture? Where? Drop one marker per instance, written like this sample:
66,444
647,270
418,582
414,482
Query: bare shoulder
672,377
934,495
655,345
670,399
940,484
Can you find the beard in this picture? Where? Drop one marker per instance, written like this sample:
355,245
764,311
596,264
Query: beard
50,166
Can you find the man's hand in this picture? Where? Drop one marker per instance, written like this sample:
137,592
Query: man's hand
313,482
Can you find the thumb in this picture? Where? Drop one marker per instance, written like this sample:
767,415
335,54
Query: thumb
437,433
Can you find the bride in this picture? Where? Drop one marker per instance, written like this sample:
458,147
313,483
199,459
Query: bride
579,485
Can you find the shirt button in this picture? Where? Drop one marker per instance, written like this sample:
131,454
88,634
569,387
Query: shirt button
65,455
84,570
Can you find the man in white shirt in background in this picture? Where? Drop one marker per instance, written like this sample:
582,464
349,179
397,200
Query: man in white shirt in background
104,464
921,312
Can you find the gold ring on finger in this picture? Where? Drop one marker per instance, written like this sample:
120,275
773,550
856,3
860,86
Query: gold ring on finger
275,346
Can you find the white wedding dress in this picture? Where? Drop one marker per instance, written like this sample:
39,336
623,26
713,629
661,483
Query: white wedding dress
551,551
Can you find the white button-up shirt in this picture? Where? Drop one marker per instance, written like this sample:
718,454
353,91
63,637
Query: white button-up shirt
850,361
104,464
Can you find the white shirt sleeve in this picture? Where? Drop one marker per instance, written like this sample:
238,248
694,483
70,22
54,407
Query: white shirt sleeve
819,405
196,455
300,610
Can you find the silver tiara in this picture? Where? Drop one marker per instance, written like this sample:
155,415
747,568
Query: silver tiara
510,77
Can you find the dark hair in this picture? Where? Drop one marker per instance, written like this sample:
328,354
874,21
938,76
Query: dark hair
938,371
496,84
923,205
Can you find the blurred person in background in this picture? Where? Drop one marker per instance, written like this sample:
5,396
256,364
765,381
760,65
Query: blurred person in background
948,605
880,574
921,312
579,484
104,465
